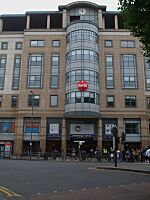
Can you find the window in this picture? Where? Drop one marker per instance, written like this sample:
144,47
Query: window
54,70
14,101
37,43
18,45
0,101
108,43
7,126
32,126
129,71
2,71
16,72
33,100
4,45
53,100
132,126
35,70
130,101
110,101
109,71
80,97
55,43
85,35
148,102
147,74
127,43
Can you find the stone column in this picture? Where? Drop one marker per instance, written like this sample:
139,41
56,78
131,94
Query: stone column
64,19
100,20
99,134
120,130
64,139
18,138
145,138
1,25
116,22
43,135
48,21
28,22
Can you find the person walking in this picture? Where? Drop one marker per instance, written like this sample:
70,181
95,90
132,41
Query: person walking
148,154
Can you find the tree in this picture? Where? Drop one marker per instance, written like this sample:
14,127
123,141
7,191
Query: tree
137,21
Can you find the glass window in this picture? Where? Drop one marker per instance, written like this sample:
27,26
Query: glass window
18,45
14,101
54,71
56,43
109,71
2,71
108,43
16,72
129,71
147,74
127,43
4,45
110,101
148,102
53,100
130,101
35,70
7,126
132,126
36,43
33,100
0,101
32,126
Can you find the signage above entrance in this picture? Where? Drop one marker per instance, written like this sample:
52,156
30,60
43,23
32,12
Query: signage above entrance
82,85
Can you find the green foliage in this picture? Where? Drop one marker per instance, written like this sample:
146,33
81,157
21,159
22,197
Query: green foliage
137,20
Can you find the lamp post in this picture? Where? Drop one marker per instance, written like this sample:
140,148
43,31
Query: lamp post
31,122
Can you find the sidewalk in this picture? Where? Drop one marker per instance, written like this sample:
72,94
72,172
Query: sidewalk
123,166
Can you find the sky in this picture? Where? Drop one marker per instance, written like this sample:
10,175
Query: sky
22,6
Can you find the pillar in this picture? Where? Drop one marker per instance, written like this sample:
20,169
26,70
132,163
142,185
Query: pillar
64,139
43,135
64,19
18,137
1,25
99,134
28,22
48,21
116,22
100,20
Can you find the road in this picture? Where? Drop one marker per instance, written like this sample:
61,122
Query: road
48,180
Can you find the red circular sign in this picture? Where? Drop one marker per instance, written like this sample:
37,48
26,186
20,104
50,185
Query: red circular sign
82,85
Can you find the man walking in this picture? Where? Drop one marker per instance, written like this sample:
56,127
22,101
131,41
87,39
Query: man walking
148,154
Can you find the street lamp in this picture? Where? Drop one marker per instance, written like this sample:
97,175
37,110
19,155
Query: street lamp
31,122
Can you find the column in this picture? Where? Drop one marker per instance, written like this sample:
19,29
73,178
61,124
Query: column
43,135
99,134
116,22
100,20
28,22
64,19
48,21
120,130
1,25
63,139
18,138
145,138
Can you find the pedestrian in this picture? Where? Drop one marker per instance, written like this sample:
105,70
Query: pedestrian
148,154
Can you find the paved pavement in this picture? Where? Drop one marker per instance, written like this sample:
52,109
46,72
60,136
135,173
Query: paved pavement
123,166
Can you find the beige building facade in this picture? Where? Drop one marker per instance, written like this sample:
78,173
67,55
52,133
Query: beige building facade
70,76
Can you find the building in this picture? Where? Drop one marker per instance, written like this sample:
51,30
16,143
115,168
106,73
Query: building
68,76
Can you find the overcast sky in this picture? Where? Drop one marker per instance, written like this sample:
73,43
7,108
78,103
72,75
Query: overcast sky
21,6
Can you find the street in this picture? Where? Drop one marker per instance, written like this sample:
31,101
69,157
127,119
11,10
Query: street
46,180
